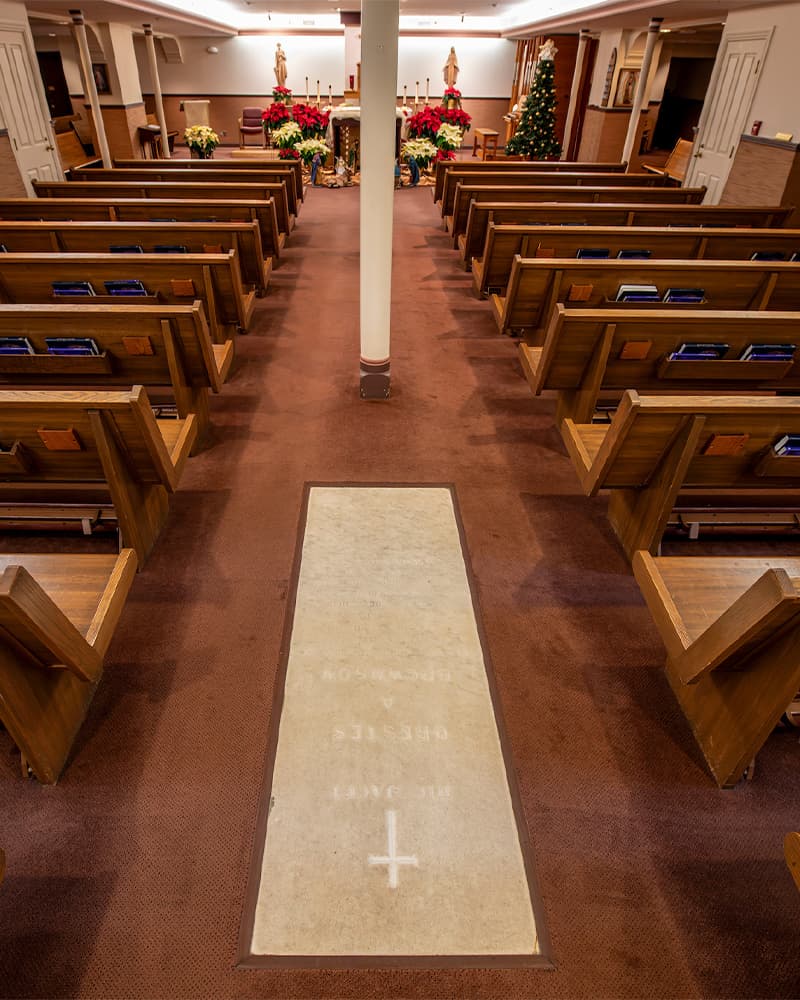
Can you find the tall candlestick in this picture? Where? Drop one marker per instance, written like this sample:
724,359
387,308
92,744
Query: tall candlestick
317,93
404,94
306,90
427,90
416,97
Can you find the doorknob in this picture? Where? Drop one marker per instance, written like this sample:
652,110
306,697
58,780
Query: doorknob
50,147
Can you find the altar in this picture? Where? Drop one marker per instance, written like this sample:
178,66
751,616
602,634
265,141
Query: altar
344,131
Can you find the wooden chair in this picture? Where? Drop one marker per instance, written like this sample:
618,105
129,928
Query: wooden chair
58,615
481,214
238,163
711,451
442,167
111,191
250,123
677,162
791,850
731,627
589,354
180,278
100,237
492,271
85,447
535,286
466,195
151,210
173,171
155,346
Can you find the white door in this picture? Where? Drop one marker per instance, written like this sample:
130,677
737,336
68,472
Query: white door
22,110
725,113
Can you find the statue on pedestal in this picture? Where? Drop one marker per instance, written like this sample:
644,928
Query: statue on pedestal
450,69
280,66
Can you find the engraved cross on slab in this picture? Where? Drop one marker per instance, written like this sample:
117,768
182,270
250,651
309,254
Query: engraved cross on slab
392,859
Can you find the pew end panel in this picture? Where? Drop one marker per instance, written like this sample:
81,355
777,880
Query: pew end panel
77,601
736,623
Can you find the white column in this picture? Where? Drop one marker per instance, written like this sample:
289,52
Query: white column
89,86
574,95
150,42
379,27
642,88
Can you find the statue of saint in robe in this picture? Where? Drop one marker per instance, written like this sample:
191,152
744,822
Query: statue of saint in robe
280,66
451,68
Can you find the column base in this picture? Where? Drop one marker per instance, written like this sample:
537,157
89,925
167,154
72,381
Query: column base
375,379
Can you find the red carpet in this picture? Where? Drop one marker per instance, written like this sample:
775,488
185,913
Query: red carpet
127,879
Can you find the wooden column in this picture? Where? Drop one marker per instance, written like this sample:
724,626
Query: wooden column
379,30
640,96
575,92
89,86
153,64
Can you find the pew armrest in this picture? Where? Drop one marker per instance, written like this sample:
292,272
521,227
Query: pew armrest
756,618
41,627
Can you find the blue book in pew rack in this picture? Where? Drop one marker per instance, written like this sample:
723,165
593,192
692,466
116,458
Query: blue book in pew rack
71,345
73,288
634,254
767,255
16,345
684,295
789,444
768,352
125,248
697,350
169,248
593,253
131,286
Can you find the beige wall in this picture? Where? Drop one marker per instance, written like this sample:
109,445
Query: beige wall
777,98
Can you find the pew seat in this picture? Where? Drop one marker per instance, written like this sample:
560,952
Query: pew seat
58,615
72,448
662,451
731,628
239,163
443,167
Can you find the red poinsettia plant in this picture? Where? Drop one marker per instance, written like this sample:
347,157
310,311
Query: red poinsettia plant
311,120
275,115
445,154
452,93
288,154
281,94
457,117
425,124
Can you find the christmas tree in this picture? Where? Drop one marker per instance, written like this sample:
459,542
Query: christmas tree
535,137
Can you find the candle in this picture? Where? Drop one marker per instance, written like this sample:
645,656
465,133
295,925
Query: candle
317,93
404,94
306,90
330,95
427,88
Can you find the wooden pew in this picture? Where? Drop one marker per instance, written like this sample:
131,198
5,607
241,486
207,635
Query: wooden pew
175,174
154,346
791,851
112,191
588,354
150,210
539,178
88,447
178,278
491,272
536,285
466,196
731,627
442,167
471,242
58,616
99,237
712,451
239,163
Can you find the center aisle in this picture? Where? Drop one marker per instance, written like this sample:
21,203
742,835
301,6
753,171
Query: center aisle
138,859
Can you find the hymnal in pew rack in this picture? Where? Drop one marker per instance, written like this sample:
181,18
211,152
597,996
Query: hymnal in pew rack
768,352
71,345
16,345
129,286
638,293
73,288
699,352
789,444
693,295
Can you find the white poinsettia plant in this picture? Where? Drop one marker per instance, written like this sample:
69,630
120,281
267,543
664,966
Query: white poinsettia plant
201,138
287,135
423,150
308,147
449,136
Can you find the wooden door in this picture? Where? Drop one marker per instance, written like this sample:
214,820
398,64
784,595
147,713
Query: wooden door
725,112
51,69
23,108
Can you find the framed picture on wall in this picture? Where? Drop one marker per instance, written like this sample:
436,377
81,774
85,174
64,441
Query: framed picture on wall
100,74
626,87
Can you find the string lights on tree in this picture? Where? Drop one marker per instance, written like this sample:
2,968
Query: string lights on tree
535,137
